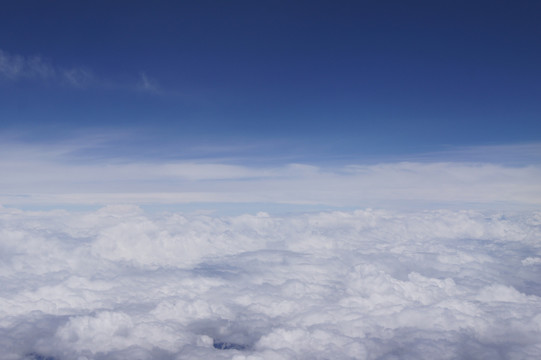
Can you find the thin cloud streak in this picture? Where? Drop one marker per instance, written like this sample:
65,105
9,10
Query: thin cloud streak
511,154
148,84
15,67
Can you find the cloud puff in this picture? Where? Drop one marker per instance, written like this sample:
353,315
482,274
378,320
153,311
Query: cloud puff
119,283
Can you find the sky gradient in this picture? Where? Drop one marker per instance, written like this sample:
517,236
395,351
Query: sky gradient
259,87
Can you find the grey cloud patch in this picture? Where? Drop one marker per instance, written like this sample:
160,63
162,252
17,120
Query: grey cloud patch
119,283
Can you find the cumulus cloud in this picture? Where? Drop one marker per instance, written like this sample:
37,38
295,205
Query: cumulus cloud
120,283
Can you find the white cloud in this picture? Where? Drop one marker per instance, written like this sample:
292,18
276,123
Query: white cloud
531,261
119,283
51,174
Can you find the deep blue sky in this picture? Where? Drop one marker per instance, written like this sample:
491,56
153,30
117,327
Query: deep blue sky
320,78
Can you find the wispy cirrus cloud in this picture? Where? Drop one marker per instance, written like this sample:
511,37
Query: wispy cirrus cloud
522,153
15,67
78,77
148,84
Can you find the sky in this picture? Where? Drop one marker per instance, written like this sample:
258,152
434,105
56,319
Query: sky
242,92
274,180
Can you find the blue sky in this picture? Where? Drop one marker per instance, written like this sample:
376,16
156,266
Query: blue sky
262,85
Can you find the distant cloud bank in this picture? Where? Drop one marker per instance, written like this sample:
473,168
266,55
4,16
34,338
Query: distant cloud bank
52,174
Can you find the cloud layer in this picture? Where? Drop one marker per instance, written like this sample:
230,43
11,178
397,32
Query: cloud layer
52,174
118,283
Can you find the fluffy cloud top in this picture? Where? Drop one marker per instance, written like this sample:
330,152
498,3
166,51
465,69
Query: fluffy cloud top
118,283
